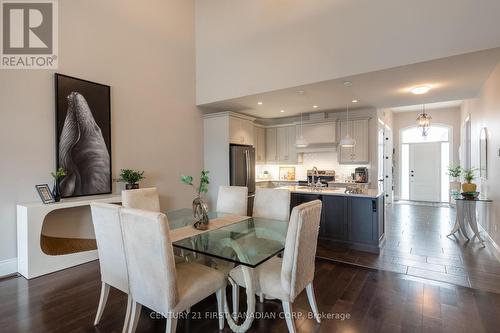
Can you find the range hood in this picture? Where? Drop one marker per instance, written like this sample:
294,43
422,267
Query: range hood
319,136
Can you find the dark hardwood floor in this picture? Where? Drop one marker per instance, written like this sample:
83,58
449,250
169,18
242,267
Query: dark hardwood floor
416,244
356,299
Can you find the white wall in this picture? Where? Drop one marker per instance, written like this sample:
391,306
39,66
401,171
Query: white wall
248,47
485,112
445,116
146,53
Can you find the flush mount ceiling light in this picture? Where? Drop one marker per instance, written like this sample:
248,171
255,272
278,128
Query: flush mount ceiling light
315,106
419,90
260,103
347,141
424,121
301,142
348,83
354,100
282,111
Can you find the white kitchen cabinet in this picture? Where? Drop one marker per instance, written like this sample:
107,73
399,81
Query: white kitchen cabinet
359,131
271,145
259,139
241,131
280,145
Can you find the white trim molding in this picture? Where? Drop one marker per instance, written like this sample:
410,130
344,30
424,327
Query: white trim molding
8,267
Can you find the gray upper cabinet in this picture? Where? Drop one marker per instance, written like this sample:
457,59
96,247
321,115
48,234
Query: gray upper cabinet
271,144
280,145
260,144
241,131
358,130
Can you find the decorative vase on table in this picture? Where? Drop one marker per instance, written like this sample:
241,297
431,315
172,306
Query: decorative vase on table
200,214
56,193
200,208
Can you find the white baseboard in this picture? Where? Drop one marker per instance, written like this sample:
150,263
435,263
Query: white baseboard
8,267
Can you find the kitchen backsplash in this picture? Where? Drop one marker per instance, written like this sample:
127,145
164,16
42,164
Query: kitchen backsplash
323,161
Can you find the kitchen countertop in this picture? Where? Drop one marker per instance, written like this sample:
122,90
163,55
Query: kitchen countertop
263,180
368,193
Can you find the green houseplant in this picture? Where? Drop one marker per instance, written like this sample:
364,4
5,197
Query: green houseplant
200,209
131,178
57,175
455,172
468,186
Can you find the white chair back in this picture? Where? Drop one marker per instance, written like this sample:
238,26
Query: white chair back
297,270
144,198
150,259
233,200
108,234
272,204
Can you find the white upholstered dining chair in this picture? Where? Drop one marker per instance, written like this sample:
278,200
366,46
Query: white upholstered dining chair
233,200
155,280
144,198
108,234
271,203
285,278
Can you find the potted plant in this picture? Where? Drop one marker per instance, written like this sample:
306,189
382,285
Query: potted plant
200,209
57,175
131,178
469,176
455,172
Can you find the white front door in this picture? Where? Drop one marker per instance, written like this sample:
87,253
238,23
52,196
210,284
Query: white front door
425,171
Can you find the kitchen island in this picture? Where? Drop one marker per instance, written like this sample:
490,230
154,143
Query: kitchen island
355,221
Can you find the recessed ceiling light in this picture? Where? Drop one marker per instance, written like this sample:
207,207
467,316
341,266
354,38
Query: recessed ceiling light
315,106
282,111
419,90
348,83
260,103
354,100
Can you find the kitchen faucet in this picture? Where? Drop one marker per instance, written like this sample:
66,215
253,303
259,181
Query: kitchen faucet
315,173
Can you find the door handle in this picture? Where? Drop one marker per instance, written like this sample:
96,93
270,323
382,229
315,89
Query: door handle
247,159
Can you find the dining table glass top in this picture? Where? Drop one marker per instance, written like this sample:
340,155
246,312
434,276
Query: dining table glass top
249,242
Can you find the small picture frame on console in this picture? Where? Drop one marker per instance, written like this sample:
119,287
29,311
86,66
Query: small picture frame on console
45,193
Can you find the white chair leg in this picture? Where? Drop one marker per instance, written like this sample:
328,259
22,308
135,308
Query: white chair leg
102,302
221,298
236,300
287,309
135,313
312,301
171,323
127,314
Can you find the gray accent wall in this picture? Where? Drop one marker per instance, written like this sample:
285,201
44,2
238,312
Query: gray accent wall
146,53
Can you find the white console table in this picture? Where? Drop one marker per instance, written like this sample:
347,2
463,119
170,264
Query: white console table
69,218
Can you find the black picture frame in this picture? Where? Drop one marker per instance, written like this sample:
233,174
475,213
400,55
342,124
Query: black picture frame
45,193
97,100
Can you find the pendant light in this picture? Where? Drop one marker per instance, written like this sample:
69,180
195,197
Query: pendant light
424,121
347,141
301,142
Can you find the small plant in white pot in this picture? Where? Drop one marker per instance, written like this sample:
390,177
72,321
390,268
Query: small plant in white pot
455,172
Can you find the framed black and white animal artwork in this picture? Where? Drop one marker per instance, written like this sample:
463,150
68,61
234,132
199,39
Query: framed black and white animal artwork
83,136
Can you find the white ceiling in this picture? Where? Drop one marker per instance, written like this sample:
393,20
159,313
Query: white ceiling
453,78
430,106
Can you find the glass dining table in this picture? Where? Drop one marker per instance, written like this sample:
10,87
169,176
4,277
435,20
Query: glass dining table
248,242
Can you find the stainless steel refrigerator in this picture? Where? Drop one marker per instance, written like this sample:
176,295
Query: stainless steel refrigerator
242,170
